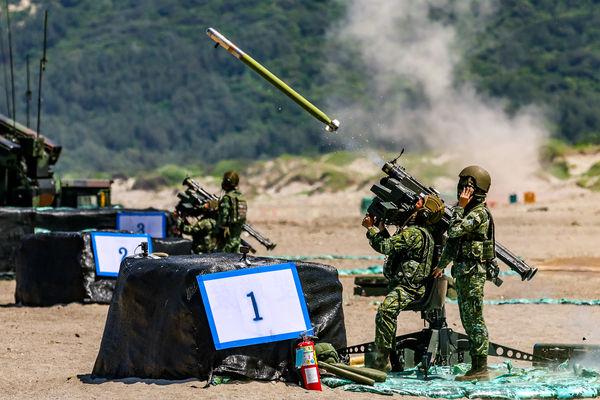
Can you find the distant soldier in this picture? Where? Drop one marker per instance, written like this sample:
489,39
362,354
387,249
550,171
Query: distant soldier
231,216
470,246
407,266
201,230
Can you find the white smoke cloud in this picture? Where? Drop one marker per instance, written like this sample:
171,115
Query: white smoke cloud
400,43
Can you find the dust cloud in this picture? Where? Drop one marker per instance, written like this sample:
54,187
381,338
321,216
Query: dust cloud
411,59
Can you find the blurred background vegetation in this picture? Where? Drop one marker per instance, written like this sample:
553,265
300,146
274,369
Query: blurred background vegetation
137,87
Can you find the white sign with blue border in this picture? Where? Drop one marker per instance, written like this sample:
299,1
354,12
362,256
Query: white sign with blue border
111,248
254,305
152,223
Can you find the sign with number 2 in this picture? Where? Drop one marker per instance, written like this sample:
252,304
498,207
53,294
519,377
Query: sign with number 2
111,248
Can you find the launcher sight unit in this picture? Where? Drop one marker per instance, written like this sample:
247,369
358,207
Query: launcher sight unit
396,195
395,200
196,201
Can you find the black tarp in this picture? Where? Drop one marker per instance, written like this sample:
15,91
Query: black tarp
16,222
175,246
49,268
59,267
157,327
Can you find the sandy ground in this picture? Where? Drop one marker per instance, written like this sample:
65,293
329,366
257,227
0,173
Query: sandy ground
48,353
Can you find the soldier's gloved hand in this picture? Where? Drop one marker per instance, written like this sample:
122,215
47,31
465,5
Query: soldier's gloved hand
367,222
211,205
437,273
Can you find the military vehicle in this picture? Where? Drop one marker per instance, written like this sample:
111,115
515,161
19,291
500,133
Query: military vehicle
27,177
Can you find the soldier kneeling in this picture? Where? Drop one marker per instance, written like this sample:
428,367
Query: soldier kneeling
408,264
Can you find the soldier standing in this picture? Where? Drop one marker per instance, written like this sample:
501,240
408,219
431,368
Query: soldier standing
470,246
408,264
231,217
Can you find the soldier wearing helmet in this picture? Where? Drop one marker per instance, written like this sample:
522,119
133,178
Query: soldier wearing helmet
232,210
470,247
408,264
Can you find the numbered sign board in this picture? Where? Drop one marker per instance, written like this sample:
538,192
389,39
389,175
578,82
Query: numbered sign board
152,223
254,305
111,248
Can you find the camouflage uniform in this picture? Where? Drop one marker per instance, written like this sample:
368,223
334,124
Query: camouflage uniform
232,215
201,233
408,264
464,246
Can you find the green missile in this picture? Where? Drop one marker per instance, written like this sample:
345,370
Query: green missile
330,125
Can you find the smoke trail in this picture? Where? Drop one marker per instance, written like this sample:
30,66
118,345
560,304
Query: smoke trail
411,60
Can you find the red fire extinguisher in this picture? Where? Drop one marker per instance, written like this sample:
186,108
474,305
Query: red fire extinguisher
306,360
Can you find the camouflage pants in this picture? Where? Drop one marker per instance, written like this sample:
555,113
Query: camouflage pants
387,314
202,241
229,245
469,289
203,245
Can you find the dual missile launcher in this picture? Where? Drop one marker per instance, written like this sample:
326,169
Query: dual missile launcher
396,195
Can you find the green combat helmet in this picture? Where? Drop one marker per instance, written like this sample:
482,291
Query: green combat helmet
230,180
476,177
433,209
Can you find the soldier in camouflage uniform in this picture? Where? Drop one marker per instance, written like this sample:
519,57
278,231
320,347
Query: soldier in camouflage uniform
470,246
231,217
408,264
201,233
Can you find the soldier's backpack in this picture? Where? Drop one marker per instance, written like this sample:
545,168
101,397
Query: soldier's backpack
239,210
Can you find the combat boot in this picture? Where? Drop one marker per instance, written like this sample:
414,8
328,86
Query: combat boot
379,359
478,370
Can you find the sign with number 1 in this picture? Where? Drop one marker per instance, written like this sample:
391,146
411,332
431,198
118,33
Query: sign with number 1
254,305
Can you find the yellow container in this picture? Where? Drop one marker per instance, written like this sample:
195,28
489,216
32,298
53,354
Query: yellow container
529,197
357,359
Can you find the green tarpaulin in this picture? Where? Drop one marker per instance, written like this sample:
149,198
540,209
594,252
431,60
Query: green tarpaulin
566,382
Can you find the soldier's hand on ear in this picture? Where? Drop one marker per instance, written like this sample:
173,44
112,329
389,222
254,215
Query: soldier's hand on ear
465,196
437,273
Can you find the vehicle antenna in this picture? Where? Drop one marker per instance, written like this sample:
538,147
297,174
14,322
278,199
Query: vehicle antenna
12,75
3,50
28,92
42,68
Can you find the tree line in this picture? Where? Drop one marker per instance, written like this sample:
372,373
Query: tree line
131,85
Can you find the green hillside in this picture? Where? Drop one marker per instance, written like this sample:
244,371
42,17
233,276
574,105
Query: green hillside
544,52
131,86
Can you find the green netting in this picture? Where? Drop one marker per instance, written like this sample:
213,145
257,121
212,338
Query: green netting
566,382
330,257
543,300
378,269
375,269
